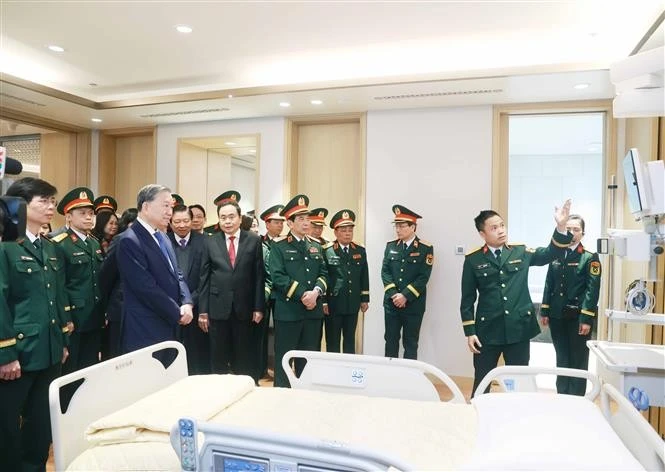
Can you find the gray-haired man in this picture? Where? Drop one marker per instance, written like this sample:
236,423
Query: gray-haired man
156,297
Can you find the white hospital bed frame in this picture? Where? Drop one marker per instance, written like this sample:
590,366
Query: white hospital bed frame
105,390
371,376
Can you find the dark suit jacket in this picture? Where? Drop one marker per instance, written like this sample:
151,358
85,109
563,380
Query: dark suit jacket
110,286
189,261
152,292
225,289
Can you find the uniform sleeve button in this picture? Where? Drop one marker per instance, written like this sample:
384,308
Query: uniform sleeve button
20,336
506,312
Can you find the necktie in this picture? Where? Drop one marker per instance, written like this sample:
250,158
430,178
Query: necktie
232,251
346,250
497,253
161,239
38,244
183,242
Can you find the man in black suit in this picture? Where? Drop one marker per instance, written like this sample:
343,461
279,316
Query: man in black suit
231,293
188,246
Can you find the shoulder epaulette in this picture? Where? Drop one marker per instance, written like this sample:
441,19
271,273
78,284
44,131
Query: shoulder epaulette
515,244
92,236
328,245
358,245
278,239
473,250
392,241
59,237
425,243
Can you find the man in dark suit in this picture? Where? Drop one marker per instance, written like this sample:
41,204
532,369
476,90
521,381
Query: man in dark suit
156,297
189,254
232,295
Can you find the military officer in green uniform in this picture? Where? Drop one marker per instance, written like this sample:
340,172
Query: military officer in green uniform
317,221
33,332
222,199
83,257
407,265
299,279
570,304
105,203
348,286
504,320
274,222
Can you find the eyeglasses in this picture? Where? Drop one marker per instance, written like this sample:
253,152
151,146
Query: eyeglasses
43,201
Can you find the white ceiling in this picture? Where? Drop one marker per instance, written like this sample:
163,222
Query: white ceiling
343,53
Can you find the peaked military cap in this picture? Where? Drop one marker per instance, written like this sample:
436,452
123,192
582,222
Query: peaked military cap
105,203
273,213
227,197
317,216
403,214
80,197
177,200
343,218
296,206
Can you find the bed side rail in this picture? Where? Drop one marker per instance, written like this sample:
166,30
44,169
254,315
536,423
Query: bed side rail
103,391
522,378
372,376
636,433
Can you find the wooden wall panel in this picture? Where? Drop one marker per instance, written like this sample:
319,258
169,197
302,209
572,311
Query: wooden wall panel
106,166
58,165
135,167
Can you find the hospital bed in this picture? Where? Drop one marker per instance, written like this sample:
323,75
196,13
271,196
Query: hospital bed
122,415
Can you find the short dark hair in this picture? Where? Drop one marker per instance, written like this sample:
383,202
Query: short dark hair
482,217
200,207
28,188
246,222
128,217
233,204
180,207
579,218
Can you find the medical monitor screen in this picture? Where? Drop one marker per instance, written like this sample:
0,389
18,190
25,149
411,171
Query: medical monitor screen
228,463
632,172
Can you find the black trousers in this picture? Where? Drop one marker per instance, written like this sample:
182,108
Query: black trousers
24,445
513,354
304,335
84,350
231,347
408,326
341,326
260,333
571,351
197,343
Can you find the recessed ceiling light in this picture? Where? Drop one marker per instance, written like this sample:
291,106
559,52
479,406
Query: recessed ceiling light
96,120
581,86
230,143
184,29
55,48
316,102
284,104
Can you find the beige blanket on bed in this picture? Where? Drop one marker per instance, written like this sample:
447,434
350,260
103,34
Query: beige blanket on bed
199,396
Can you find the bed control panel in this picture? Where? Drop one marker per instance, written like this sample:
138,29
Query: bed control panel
189,454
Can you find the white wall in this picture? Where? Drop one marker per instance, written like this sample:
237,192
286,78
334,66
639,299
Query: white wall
271,150
438,163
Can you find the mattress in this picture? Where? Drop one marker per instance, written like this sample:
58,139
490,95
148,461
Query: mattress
429,435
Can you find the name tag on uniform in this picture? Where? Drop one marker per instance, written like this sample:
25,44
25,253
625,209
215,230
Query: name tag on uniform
516,261
573,264
357,256
27,258
482,266
292,251
393,252
52,258
413,254
78,254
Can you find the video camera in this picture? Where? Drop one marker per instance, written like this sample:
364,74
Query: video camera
12,209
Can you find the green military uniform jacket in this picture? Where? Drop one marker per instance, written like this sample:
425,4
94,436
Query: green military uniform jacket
82,262
33,304
296,267
505,312
348,278
407,272
212,229
573,281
